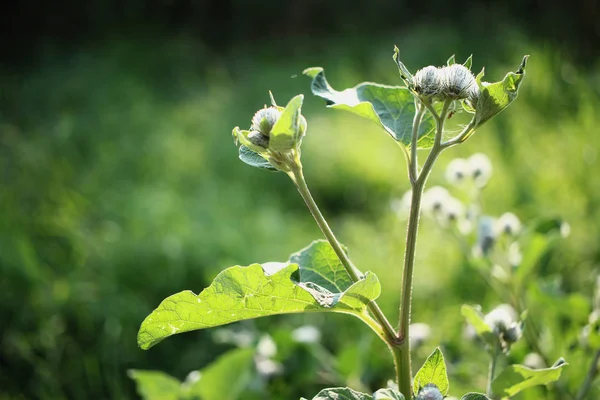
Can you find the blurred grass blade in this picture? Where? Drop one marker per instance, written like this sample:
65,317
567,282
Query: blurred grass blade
516,378
392,107
433,372
240,293
155,385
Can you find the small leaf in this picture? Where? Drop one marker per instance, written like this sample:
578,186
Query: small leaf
285,131
474,396
433,371
476,319
240,293
254,159
516,378
451,60
155,385
404,72
469,62
392,107
387,394
495,97
341,393
219,381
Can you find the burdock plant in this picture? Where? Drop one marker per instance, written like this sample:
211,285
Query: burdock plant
321,277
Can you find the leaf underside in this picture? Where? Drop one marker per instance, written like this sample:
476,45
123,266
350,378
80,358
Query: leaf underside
516,378
392,107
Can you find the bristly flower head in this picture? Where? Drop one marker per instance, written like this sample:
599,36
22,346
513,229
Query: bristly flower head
264,120
458,83
428,81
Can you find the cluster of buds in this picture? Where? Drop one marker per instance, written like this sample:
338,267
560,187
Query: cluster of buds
275,135
452,82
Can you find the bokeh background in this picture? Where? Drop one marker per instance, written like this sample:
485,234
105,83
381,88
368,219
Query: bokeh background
121,184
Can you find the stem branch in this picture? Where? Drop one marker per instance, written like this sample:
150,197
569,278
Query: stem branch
298,178
492,369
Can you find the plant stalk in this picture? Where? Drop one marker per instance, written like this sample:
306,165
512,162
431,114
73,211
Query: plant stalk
404,370
492,370
589,378
297,177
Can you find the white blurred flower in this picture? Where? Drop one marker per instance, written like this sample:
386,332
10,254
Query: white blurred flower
434,199
565,229
457,171
534,361
501,317
243,338
418,333
453,210
306,334
508,224
266,346
267,367
499,273
480,169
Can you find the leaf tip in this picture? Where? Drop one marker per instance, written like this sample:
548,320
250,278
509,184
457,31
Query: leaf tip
312,72
521,69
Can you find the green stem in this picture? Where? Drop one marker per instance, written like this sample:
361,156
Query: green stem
403,356
412,171
298,178
492,370
589,378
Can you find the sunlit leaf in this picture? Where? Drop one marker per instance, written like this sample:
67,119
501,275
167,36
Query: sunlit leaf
240,293
387,394
433,372
516,378
341,393
392,107
495,97
285,131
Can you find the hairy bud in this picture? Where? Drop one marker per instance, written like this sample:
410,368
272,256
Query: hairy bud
264,120
428,81
430,392
458,83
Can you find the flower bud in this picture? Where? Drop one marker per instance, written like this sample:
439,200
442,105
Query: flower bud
428,81
264,120
508,224
430,392
513,333
501,318
434,199
481,169
458,83
457,170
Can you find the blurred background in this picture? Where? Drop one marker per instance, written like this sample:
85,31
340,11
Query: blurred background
121,183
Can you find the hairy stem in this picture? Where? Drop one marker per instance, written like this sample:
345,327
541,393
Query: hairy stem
298,178
404,370
492,369
589,378
413,167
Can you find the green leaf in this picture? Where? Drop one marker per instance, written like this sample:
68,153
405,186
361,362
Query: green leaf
433,371
219,381
475,318
341,393
516,378
285,132
254,159
451,60
387,394
240,293
155,385
474,396
495,97
392,107
469,62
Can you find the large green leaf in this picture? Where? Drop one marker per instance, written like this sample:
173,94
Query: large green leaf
433,372
155,385
219,381
516,378
495,97
344,393
392,107
240,293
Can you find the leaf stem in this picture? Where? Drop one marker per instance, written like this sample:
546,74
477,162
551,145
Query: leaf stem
412,171
492,369
404,370
589,378
297,177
